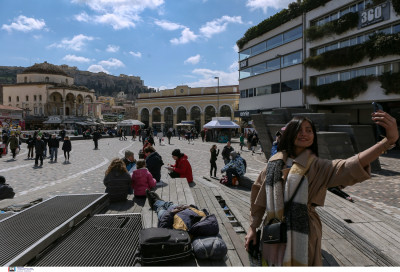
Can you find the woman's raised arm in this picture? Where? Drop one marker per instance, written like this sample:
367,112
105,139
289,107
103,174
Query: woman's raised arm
392,135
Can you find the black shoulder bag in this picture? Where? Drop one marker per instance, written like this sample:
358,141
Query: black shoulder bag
275,231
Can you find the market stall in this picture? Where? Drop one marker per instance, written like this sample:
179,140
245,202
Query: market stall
219,129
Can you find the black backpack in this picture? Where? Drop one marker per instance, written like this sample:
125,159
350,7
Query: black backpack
159,246
6,191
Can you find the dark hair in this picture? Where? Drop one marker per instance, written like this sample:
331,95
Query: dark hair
149,149
140,164
2,180
290,133
177,153
212,147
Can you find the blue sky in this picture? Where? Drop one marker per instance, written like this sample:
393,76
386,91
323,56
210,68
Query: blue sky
165,42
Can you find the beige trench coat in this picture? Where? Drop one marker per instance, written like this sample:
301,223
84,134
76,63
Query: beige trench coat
322,175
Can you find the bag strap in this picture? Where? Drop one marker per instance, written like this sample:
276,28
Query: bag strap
287,204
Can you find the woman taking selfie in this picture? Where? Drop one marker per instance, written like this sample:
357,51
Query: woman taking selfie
296,171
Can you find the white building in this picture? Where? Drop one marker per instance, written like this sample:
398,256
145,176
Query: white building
339,76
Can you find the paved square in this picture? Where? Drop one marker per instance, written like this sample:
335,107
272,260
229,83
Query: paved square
86,171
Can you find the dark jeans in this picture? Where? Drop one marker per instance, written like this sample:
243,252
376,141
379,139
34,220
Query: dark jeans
96,144
169,140
30,152
213,166
39,156
174,174
160,206
230,173
13,151
66,154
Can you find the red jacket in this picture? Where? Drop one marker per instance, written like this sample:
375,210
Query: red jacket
142,180
183,167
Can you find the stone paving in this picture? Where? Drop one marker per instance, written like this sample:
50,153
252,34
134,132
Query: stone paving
85,173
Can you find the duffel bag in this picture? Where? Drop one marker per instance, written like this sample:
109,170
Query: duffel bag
158,246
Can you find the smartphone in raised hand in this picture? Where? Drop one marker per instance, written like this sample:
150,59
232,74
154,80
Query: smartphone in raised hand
381,132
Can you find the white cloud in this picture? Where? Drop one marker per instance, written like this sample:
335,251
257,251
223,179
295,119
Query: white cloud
117,13
207,78
136,54
219,25
24,24
112,48
236,48
95,68
73,58
168,25
193,60
186,36
76,43
265,4
112,63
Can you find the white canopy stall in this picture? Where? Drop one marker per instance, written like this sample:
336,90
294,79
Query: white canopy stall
220,129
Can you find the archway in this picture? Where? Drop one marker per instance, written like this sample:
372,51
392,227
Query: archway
144,116
209,113
55,104
226,111
169,118
156,117
195,115
181,114
79,105
69,104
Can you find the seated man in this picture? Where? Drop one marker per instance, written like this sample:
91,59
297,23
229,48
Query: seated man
235,167
129,161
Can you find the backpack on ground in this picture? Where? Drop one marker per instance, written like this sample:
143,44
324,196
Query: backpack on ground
210,247
6,191
158,246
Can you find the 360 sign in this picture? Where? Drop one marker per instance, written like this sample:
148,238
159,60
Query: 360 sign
374,15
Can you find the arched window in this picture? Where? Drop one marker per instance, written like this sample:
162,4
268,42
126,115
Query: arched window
226,111
169,118
195,115
9,99
181,114
17,98
27,98
209,113
145,117
40,97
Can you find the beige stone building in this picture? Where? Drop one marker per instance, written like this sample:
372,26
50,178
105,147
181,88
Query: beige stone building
44,90
185,103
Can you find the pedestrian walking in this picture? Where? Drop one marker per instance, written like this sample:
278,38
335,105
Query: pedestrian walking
96,137
169,135
213,160
254,141
45,139
133,134
39,150
31,146
160,136
297,168
14,144
66,147
54,144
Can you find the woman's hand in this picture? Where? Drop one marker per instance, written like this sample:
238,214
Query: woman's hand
388,123
250,238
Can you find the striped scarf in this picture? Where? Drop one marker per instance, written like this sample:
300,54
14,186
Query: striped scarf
297,221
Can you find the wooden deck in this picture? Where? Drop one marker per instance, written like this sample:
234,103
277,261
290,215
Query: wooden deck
353,234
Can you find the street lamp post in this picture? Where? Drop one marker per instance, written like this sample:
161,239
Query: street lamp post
217,96
280,79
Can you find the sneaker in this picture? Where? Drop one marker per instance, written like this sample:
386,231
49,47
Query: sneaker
152,197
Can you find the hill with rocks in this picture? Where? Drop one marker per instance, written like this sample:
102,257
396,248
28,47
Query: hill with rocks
102,83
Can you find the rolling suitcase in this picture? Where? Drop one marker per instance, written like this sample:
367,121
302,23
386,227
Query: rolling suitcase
159,246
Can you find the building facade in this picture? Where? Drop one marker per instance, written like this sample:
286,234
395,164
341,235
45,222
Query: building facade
335,58
184,103
44,90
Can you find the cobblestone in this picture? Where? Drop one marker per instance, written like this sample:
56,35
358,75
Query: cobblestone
86,171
